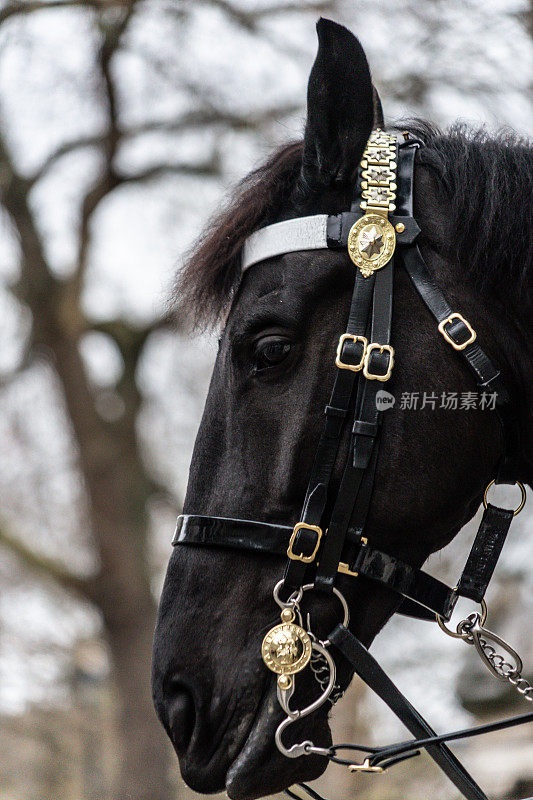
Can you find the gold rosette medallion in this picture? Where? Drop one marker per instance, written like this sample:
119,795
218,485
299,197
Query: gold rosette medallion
371,243
286,649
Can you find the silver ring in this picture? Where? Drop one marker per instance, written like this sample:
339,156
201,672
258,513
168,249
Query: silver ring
339,595
293,600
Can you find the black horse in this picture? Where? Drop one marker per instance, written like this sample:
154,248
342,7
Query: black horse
272,379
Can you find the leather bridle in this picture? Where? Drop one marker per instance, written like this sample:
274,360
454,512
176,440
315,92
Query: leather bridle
318,549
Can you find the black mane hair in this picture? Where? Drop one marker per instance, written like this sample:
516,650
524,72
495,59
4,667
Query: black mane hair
205,285
487,184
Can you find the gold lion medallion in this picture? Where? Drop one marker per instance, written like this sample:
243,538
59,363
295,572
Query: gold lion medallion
286,649
371,243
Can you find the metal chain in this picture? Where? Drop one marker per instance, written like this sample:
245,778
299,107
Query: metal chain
507,671
320,669
472,631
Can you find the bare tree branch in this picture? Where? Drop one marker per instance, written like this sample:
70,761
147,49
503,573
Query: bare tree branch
46,566
108,179
23,7
250,19
130,338
36,282
528,18
193,119
64,150
208,168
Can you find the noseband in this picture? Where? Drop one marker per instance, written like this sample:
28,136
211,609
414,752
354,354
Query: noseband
378,231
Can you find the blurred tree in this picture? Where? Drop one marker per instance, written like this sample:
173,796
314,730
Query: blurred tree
117,482
163,99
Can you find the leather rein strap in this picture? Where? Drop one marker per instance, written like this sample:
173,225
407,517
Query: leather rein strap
364,361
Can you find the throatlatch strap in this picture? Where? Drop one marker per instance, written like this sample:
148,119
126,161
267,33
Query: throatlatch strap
368,669
488,377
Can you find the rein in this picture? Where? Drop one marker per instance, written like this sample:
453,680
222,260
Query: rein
379,232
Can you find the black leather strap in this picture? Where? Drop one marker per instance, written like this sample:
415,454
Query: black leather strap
235,534
419,589
335,415
485,552
488,377
486,373
368,669
370,428
387,756
339,225
365,431
424,592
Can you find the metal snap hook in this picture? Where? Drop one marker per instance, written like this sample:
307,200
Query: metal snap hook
461,631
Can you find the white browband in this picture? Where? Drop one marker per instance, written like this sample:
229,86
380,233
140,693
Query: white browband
303,233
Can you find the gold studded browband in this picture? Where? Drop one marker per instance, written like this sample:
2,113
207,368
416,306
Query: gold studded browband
372,238
379,173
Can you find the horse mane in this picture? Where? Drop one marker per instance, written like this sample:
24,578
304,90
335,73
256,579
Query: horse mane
487,185
211,272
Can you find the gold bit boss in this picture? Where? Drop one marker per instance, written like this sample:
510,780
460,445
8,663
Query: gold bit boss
286,649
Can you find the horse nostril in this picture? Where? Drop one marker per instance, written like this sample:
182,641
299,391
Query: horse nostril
181,716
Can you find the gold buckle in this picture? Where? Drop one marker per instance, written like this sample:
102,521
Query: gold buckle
300,556
364,767
449,339
381,347
345,569
351,338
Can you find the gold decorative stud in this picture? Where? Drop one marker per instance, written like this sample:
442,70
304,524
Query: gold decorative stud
284,682
287,615
400,227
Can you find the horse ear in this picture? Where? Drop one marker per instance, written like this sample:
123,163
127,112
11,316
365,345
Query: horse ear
340,107
379,121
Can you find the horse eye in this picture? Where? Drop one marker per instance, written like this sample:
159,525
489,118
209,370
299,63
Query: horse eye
271,351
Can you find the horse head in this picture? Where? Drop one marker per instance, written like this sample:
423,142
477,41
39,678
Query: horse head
272,379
